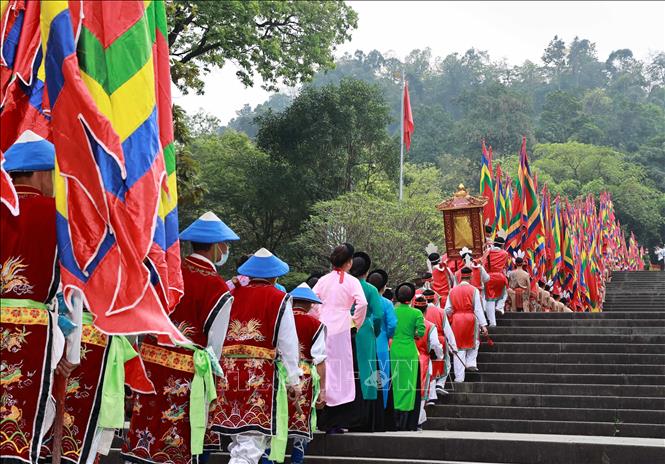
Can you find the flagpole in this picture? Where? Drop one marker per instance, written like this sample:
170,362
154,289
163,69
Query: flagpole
401,145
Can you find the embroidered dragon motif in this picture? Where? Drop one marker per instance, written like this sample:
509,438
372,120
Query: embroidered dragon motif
13,341
240,332
10,279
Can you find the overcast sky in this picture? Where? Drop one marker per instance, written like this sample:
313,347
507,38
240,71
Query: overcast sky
515,31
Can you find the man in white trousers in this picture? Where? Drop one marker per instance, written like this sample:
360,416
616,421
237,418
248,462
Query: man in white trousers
496,261
466,312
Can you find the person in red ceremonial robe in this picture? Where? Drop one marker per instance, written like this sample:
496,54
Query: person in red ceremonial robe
32,344
496,261
91,408
260,362
302,409
440,367
479,277
467,318
429,349
442,277
169,427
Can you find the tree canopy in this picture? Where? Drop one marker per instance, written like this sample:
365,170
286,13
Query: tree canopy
277,40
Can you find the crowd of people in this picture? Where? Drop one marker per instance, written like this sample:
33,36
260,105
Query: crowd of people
348,350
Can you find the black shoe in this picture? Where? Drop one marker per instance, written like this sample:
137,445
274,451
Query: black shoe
472,369
335,431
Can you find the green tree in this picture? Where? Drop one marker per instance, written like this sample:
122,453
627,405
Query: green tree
276,40
245,120
259,197
495,113
394,234
559,118
330,135
554,58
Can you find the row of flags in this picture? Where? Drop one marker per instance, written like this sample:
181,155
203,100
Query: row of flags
94,78
569,244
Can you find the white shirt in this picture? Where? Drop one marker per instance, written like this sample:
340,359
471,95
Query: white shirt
477,306
288,345
217,332
319,347
435,344
449,335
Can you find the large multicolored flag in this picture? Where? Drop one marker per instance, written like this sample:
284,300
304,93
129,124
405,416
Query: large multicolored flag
556,238
113,191
21,73
21,89
486,187
514,229
500,220
531,223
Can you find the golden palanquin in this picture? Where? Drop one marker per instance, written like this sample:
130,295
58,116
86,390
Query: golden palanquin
463,222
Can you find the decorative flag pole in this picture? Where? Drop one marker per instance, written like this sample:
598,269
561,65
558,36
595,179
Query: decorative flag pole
401,141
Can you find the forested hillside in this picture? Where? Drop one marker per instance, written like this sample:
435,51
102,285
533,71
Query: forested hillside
592,123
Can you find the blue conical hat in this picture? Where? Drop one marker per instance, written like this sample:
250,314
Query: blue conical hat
30,153
303,292
263,264
208,229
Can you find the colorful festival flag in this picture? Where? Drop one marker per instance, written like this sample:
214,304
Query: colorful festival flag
486,187
113,189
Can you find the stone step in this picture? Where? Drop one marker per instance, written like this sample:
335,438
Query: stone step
491,447
633,307
531,347
460,447
553,401
569,358
579,338
561,389
561,368
503,322
547,426
577,330
648,290
581,316
453,411
223,458
609,379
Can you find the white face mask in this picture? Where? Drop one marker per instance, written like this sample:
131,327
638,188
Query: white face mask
225,256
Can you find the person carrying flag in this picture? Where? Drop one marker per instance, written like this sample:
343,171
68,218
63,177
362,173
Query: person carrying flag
170,425
32,343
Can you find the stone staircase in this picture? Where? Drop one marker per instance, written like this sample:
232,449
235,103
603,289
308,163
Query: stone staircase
554,388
